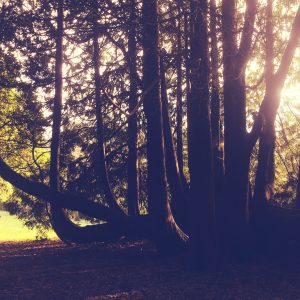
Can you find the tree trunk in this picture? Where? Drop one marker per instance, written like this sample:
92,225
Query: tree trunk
62,226
215,96
179,196
169,234
186,9
218,150
237,144
202,210
132,171
186,36
265,173
179,104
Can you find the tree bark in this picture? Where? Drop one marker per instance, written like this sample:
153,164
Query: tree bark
202,209
159,206
179,104
61,224
218,149
179,196
215,96
57,108
237,142
132,170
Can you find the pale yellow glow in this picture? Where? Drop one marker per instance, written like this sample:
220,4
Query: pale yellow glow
291,96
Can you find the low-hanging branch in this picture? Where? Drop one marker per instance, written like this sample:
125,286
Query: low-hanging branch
65,199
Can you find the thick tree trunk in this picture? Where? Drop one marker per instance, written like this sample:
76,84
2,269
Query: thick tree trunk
202,210
132,170
237,145
159,206
179,196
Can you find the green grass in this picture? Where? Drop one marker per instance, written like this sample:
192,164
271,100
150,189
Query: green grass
12,229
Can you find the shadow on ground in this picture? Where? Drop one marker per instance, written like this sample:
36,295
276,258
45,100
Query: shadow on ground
132,270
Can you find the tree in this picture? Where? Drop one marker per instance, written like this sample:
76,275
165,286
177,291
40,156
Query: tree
58,217
100,133
159,206
215,110
238,143
264,184
133,177
177,182
202,206
179,95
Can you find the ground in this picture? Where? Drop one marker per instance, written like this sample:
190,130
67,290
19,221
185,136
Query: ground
133,270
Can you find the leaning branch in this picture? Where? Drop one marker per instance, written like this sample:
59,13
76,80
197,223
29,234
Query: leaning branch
289,51
65,199
272,98
247,34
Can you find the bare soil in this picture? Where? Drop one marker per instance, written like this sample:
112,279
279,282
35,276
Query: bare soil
133,270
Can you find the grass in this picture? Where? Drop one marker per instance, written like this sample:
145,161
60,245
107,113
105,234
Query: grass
13,230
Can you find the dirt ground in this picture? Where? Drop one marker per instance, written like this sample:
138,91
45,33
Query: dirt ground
133,270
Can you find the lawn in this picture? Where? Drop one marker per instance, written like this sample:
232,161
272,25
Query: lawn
12,229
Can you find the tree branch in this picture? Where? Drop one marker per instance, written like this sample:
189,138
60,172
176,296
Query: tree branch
289,51
64,199
246,40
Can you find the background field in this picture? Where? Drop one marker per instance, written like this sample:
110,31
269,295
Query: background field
12,229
